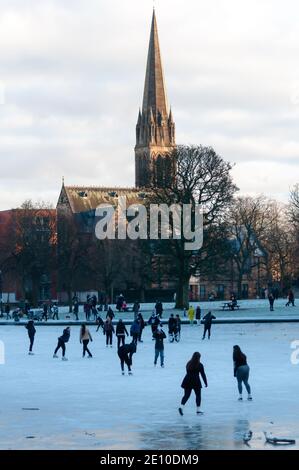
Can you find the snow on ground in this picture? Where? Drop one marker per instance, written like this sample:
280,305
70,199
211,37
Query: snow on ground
87,404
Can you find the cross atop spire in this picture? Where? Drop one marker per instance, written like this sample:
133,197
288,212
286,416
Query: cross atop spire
154,89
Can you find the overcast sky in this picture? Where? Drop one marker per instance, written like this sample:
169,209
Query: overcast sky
71,83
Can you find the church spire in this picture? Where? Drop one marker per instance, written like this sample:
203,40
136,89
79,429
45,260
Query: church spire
155,129
154,89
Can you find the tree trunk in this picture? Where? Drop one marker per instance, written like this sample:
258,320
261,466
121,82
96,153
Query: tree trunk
240,278
70,298
182,294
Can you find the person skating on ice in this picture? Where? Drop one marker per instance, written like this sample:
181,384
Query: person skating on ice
109,330
135,331
241,371
85,337
31,333
142,326
171,328
207,320
178,328
121,332
62,340
191,381
159,337
291,298
125,353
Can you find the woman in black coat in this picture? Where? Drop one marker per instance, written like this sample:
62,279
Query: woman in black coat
31,333
194,369
121,331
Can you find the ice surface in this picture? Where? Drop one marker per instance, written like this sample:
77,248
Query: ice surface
87,404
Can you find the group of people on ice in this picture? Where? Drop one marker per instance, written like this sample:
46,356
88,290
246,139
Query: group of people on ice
194,369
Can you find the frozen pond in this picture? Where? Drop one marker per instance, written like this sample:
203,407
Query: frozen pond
87,404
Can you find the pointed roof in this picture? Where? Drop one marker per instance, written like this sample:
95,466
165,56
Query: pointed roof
154,89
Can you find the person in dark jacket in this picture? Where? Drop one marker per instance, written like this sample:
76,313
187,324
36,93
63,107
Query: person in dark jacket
31,333
62,340
271,301
154,321
110,314
100,323
171,328
198,314
136,308
45,311
159,336
178,328
191,381
119,302
241,371
207,320
121,331
159,309
109,330
291,299
7,311
135,331
125,353
142,326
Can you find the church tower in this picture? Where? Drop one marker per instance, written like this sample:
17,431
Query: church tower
155,129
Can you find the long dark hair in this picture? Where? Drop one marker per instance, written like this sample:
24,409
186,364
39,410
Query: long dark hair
83,328
238,354
194,362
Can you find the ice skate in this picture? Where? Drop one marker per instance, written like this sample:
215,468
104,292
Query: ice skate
64,359
130,372
240,398
198,412
181,411
31,353
249,398
122,373
55,355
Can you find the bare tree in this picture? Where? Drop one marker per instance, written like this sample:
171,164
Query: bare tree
203,178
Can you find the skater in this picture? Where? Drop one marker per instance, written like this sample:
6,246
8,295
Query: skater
100,323
291,299
31,333
109,330
159,336
121,331
110,314
191,314
178,328
171,328
87,310
198,314
76,307
142,326
207,320
45,312
125,353
119,302
85,337
136,308
135,331
191,381
7,312
241,371
159,309
271,302
154,321
64,338
55,312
